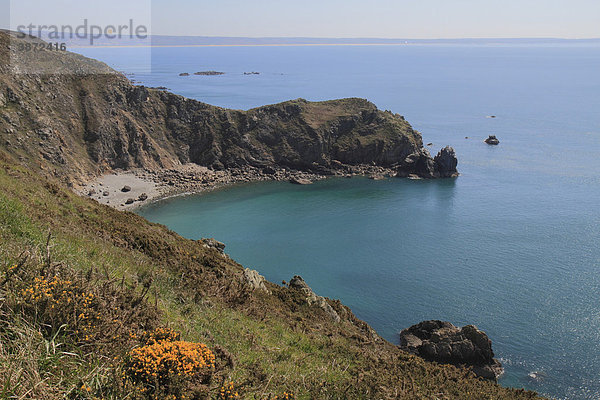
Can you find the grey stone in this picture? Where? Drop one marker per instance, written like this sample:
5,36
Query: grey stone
253,279
297,283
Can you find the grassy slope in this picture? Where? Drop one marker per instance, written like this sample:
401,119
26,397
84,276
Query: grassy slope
265,343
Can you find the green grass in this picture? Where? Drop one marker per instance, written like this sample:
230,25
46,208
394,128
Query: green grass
265,343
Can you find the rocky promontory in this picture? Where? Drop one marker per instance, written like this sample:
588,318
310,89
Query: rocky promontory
445,343
89,120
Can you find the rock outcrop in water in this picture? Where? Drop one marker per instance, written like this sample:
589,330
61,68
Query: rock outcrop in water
493,140
421,163
87,119
445,343
446,162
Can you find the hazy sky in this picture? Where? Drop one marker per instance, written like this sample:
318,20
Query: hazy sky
333,18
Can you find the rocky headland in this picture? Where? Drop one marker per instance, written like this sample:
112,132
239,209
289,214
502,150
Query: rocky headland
78,120
445,343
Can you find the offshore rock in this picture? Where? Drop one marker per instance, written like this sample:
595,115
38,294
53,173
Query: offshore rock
493,140
445,343
446,163
297,283
422,165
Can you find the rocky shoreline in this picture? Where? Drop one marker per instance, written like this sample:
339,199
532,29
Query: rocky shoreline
147,186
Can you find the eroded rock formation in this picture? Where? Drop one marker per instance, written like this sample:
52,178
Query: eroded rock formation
445,343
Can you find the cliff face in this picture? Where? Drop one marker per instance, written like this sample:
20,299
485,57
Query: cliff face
89,119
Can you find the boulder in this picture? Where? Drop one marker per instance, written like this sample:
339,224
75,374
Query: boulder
126,189
213,244
253,279
297,283
269,171
418,163
130,201
143,197
300,181
106,193
446,163
445,343
493,140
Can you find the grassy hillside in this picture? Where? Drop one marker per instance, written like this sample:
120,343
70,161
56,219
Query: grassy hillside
83,285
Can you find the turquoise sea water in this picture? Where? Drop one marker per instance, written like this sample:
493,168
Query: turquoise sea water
512,245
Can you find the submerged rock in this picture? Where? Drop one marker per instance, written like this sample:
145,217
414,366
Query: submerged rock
493,140
445,343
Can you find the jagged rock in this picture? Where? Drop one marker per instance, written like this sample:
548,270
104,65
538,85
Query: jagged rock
418,163
493,140
445,343
253,279
298,283
92,192
2,100
300,181
126,189
184,74
130,201
143,197
213,244
446,162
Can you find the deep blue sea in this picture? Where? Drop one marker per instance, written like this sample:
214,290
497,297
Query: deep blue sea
512,245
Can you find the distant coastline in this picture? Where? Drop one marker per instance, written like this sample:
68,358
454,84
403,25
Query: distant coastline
214,41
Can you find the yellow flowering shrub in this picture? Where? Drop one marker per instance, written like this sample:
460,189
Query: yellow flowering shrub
228,392
58,302
160,335
164,363
284,396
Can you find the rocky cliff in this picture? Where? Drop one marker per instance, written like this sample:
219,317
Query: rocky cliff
445,343
76,117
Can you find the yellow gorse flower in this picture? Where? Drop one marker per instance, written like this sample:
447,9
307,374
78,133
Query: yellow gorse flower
161,358
228,392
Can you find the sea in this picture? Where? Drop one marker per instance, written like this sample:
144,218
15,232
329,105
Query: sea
511,246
